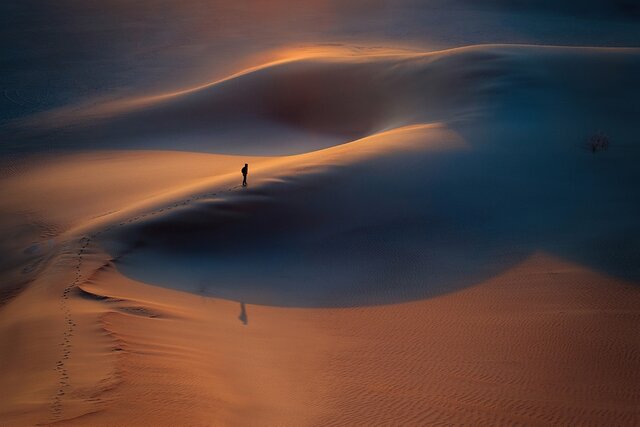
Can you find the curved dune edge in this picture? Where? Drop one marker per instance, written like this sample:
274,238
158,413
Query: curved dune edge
545,342
98,108
288,55
81,191
313,99
548,341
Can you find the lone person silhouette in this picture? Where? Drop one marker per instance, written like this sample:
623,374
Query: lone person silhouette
245,171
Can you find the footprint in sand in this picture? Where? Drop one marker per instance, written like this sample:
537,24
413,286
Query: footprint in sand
63,379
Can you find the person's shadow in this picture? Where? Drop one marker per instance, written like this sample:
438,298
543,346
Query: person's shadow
243,314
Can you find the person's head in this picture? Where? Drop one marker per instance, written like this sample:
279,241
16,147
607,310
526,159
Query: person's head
246,164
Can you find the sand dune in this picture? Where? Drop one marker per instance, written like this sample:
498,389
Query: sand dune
546,342
429,241
113,47
316,98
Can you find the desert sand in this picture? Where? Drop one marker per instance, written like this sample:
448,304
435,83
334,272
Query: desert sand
426,237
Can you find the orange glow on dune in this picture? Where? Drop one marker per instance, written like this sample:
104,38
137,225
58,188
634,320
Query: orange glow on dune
319,213
287,55
96,109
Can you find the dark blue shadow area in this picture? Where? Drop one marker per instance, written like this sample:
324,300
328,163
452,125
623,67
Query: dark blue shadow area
399,227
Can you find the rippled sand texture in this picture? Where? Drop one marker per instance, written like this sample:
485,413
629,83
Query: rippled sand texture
426,237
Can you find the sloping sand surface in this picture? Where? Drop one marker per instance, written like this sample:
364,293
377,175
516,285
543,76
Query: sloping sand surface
114,47
547,342
429,242
319,97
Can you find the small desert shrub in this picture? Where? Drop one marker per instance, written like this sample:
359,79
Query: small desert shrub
599,141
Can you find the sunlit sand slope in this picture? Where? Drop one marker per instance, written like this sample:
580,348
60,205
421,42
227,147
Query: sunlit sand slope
546,342
446,250
313,98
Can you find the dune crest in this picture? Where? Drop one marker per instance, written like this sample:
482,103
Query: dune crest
317,98
425,238
512,342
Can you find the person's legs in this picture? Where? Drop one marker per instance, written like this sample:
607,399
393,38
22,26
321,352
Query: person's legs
244,181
